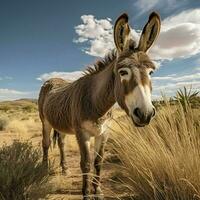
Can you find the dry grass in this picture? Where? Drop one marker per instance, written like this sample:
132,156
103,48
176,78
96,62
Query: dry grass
162,160
16,126
22,175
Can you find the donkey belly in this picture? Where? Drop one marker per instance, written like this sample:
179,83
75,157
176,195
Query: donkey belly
88,127
60,127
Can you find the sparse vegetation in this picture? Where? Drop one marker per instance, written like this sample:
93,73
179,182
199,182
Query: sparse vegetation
22,175
18,105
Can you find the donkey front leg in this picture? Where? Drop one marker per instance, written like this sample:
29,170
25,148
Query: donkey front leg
100,142
46,130
84,146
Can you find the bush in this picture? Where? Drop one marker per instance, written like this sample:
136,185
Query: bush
22,175
3,122
161,161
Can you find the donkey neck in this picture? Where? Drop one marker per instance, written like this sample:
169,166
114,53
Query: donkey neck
103,97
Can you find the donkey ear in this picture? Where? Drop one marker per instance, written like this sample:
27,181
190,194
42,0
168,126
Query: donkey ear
150,32
121,32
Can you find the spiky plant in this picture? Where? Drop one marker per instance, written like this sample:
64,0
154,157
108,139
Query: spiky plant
186,97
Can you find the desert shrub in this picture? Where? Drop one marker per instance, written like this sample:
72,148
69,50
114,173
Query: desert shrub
29,108
22,175
160,161
5,107
3,122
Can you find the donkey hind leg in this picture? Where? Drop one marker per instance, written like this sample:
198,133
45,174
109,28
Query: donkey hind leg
61,145
100,142
84,146
46,130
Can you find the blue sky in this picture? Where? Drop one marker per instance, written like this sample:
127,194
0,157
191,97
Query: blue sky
46,38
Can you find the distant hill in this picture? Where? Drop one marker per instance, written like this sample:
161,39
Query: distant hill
24,104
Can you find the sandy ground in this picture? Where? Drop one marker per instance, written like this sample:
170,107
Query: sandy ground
68,187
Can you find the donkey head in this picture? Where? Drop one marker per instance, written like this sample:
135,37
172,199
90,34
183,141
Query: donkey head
133,69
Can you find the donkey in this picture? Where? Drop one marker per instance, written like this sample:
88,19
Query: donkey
123,76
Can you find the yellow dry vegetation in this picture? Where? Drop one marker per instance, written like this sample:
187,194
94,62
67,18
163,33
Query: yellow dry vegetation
162,160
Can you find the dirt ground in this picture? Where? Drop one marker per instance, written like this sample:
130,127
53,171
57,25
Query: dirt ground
66,187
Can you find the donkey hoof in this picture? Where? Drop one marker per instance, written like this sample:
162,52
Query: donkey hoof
98,191
99,197
98,194
86,198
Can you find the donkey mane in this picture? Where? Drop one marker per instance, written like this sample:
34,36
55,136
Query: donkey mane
101,63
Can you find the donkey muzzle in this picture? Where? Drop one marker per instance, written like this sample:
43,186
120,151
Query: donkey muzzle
143,118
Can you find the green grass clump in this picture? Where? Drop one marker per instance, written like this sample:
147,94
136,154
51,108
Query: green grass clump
187,97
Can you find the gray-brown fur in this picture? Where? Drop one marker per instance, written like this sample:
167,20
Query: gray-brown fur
78,106
66,105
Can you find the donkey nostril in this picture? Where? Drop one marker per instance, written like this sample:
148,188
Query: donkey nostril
137,113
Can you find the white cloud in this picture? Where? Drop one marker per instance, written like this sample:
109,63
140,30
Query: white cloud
10,94
15,92
175,78
171,83
98,33
162,78
70,76
190,77
179,37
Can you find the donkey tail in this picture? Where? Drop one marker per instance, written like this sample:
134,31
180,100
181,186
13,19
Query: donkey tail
55,138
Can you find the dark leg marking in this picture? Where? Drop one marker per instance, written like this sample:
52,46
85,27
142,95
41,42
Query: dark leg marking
100,142
46,130
84,146
61,145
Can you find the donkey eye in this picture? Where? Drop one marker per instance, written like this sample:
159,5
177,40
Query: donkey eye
151,72
123,72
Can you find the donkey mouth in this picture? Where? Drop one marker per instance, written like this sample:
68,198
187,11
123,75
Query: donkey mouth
137,124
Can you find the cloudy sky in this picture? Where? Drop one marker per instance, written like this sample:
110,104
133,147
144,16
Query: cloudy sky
46,38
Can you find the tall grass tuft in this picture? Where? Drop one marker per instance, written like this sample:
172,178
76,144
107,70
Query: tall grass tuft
22,175
160,161
3,122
